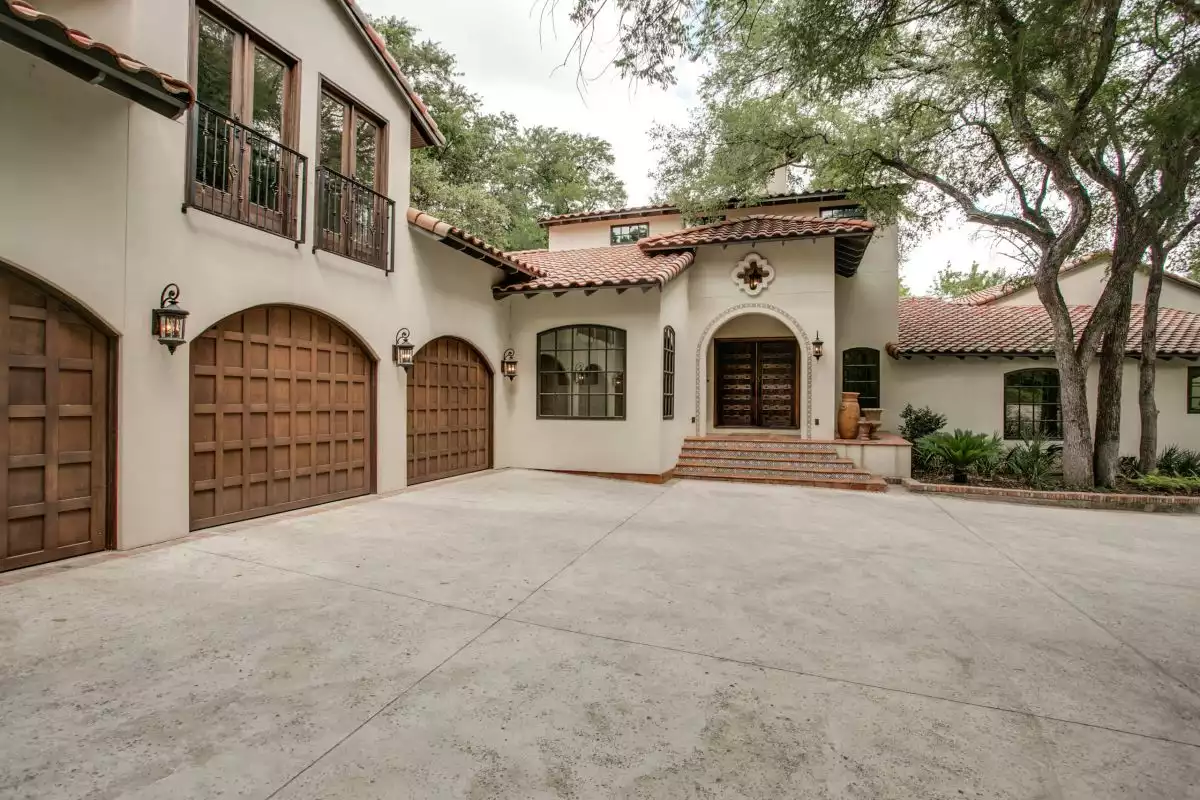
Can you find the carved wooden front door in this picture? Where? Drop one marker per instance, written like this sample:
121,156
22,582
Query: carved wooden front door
756,383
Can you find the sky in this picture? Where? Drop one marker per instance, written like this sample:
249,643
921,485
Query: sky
512,57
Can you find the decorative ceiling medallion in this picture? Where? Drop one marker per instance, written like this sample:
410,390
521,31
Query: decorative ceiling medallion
753,274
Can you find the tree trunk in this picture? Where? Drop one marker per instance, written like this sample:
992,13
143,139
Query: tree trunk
1077,426
1148,445
1108,390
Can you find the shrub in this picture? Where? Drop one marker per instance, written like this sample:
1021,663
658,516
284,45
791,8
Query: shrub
1171,484
1179,461
1033,461
1128,467
961,451
920,422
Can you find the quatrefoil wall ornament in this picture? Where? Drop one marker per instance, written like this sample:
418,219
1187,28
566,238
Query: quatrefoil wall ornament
753,274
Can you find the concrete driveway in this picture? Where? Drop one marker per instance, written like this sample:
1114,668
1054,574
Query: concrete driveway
531,635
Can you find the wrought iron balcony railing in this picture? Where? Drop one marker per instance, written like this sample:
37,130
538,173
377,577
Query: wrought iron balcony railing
354,220
242,175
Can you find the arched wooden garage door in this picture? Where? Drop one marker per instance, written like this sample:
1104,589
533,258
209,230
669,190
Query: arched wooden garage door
54,428
281,415
449,411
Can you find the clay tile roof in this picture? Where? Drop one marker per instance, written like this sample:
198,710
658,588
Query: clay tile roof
469,244
931,326
756,227
667,208
595,267
156,90
985,296
423,121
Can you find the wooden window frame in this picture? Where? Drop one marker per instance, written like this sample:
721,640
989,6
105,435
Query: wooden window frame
354,109
876,381
1193,390
248,40
668,372
1012,375
612,232
592,376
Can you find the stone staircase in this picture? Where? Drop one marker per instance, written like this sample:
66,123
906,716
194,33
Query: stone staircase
772,459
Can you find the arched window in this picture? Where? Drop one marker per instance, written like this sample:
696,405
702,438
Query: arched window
1031,404
668,372
860,373
581,373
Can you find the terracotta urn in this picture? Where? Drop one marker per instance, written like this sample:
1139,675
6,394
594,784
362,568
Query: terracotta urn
848,414
864,431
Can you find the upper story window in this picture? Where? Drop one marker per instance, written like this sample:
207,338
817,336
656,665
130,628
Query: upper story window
668,373
860,373
242,162
1193,392
581,373
628,234
1031,404
844,212
353,211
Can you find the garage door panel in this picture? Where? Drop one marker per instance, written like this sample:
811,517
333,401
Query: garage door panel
53,428
449,411
285,406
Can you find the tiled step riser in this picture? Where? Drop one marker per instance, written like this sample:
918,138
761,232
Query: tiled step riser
775,473
756,455
861,485
816,450
724,465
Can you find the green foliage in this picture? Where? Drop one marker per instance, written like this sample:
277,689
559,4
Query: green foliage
494,178
961,451
1128,467
1033,461
920,422
1179,461
1171,484
956,283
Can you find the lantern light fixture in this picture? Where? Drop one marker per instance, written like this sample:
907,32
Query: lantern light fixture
168,321
508,364
403,350
818,347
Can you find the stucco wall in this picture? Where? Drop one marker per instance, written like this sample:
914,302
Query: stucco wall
970,392
1083,287
630,445
674,311
580,235
801,296
98,216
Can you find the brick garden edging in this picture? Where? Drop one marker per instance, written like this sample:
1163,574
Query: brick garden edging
1103,500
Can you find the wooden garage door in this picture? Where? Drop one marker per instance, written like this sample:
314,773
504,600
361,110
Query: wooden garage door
449,411
53,428
281,415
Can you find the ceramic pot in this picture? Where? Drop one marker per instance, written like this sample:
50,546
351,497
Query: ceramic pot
864,431
848,414
875,417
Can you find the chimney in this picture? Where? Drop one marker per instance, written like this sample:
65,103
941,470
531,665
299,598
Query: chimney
780,181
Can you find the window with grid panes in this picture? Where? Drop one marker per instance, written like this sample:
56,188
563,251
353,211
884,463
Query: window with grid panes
581,373
628,234
860,373
1193,395
1032,405
668,373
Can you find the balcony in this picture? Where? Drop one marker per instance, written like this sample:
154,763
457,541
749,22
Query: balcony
355,221
245,176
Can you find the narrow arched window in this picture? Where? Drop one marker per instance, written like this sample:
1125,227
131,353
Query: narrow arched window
581,373
1031,404
860,373
668,397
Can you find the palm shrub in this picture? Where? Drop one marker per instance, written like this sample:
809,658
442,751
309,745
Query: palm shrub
1179,461
961,451
1034,461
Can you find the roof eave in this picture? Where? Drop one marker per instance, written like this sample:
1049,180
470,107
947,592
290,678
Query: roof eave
47,39
666,210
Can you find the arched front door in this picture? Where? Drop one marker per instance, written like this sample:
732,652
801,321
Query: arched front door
449,411
281,415
54,428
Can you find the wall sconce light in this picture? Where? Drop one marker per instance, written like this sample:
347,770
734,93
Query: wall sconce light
818,347
508,364
403,350
167,322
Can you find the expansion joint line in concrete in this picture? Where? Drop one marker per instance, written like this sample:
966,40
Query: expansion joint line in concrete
495,621
1033,577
